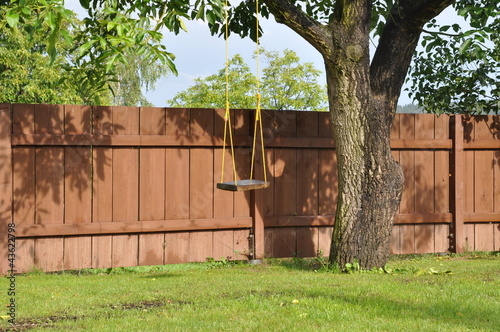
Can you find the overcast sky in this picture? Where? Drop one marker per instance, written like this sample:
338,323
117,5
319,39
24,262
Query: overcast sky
198,54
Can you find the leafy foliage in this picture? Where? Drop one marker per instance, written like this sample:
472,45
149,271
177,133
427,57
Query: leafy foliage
37,69
458,71
26,72
285,84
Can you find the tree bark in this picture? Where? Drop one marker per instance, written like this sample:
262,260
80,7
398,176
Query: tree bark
363,100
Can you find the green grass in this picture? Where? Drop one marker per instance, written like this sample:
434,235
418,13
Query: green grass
280,295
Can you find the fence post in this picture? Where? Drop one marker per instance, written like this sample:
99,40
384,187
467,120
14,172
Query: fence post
5,183
457,232
257,204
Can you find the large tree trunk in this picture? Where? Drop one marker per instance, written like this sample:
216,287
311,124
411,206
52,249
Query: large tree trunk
363,98
370,180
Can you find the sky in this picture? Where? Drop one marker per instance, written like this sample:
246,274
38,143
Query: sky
199,54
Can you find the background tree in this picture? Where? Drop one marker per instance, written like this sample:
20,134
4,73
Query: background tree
286,84
210,92
26,72
44,59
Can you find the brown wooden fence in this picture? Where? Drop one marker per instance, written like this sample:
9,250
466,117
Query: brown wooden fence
116,186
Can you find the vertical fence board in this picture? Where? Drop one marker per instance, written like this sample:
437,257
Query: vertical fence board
284,241
200,246
102,247
223,242
177,248
408,199
177,183
269,242
77,252
324,240
307,182
269,193
25,255
6,184
240,244
307,241
223,200
201,184
102,191
125,187
152,186
49,253
469,237
49,186
328,189
77,193
395,242
285,182
151,250
496,229
484,237
424,184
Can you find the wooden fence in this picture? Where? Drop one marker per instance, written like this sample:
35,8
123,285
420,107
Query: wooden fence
116,186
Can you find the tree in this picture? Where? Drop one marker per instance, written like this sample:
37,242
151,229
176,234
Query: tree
286,84
26,75
458,72
363,91
44,59
211,92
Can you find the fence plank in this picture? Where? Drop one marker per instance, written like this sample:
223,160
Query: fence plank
325,240
285,182
102,247
102,191
177,248
200,246
285,242
307,241
177,183
223,242
307,182
151,250
425,184
152,185
6,189
49,186
241,248
201,183
408,199
328,179
125,187
77,193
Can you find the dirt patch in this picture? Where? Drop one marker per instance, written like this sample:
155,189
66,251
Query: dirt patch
140,305
28,324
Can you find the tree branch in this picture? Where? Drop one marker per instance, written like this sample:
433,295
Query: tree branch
296,19
398,42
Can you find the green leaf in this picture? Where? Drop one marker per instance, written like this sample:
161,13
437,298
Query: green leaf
85,47
12,18
211,17
183,25
85,4
465,45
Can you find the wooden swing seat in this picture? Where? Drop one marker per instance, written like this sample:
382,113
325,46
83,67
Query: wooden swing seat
242,185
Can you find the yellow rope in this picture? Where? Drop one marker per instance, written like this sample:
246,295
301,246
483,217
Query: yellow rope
258,115
227,114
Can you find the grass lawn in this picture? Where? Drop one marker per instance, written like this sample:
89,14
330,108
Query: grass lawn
424,293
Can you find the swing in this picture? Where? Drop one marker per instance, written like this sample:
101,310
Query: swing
249,184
